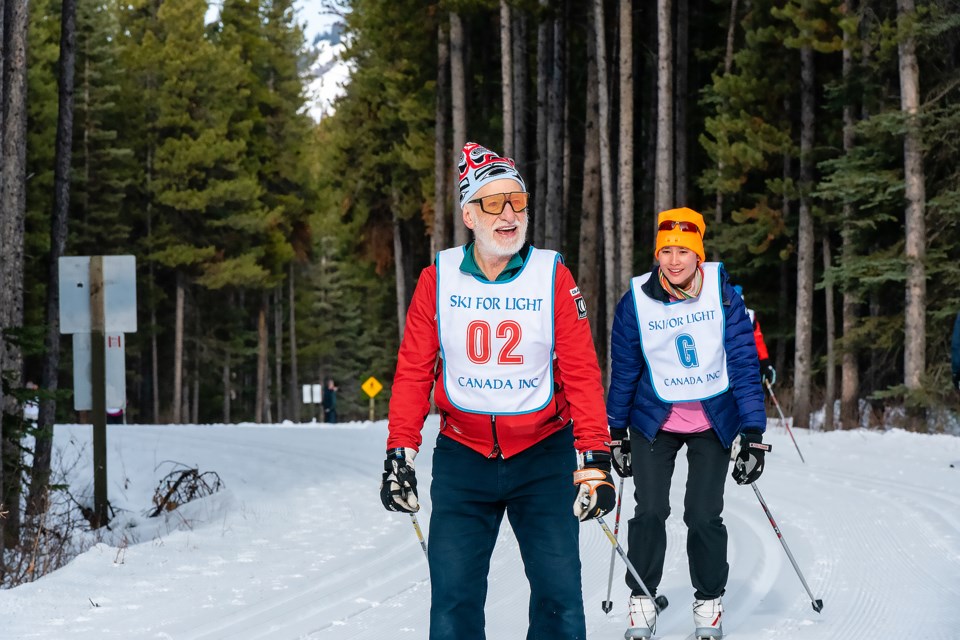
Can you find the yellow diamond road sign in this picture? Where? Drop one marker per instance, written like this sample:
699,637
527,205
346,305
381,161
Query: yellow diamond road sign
372,386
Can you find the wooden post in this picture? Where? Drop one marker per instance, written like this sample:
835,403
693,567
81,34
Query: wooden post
98,381
372,413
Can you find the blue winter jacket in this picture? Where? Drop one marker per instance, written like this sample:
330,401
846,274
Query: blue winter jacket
632,402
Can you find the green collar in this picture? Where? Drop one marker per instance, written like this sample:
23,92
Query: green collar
469,264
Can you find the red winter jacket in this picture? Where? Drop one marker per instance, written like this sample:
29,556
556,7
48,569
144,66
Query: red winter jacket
762,352
578,393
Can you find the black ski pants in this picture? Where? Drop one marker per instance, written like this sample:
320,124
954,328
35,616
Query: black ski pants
469,496
653,464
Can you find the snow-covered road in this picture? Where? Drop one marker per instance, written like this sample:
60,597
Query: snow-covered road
298,545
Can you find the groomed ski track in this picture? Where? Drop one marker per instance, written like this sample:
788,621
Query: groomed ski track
873,520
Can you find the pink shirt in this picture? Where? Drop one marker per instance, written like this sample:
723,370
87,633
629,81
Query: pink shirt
686,417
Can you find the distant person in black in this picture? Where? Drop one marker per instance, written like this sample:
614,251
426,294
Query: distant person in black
330,402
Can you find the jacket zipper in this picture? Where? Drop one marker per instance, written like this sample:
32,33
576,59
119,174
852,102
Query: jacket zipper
496,444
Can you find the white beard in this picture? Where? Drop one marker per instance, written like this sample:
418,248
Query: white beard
490,244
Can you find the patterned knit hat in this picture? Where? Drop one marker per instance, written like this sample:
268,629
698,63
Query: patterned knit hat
675,237
479,166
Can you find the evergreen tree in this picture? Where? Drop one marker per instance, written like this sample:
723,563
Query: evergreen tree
270,45
103,166
44,51
375,154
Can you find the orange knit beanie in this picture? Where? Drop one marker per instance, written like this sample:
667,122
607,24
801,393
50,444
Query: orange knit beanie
676,237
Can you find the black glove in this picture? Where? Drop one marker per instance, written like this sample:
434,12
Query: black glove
748,452
956,381
596,494
768,373
398,489
620,452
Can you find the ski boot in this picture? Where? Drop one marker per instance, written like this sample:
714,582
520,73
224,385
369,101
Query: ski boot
707,616
643,618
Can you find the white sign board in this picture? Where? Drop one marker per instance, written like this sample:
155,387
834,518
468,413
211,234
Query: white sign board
119,294
115,352
312,394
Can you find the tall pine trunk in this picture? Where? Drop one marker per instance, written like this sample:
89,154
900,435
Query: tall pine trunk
663,194
544,56
3,323
783,297
401,283
12,218
152,297
506,76
830,392
555,133
849,367
802,365
13,154
681,80
648,153
915,326
727,66
178,351
225,381
588,273
187,378
458,99
260,408
40,472
519,57
195,382
606,180
440,158
278,351
625,153
783,310
294,392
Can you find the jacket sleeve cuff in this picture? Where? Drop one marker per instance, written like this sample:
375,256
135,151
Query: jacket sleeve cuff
617,423
617,433
597,459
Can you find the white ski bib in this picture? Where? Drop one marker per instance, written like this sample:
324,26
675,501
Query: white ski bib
496,338
683,341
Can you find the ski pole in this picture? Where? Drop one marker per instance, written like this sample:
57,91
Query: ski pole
660,602
423,543
783,420
816,602
608,604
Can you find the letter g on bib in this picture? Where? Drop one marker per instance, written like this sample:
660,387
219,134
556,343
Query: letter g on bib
687,351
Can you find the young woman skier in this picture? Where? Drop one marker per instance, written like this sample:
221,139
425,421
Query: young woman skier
685,372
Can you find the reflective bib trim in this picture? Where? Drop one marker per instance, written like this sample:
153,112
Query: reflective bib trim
683,341
498,333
